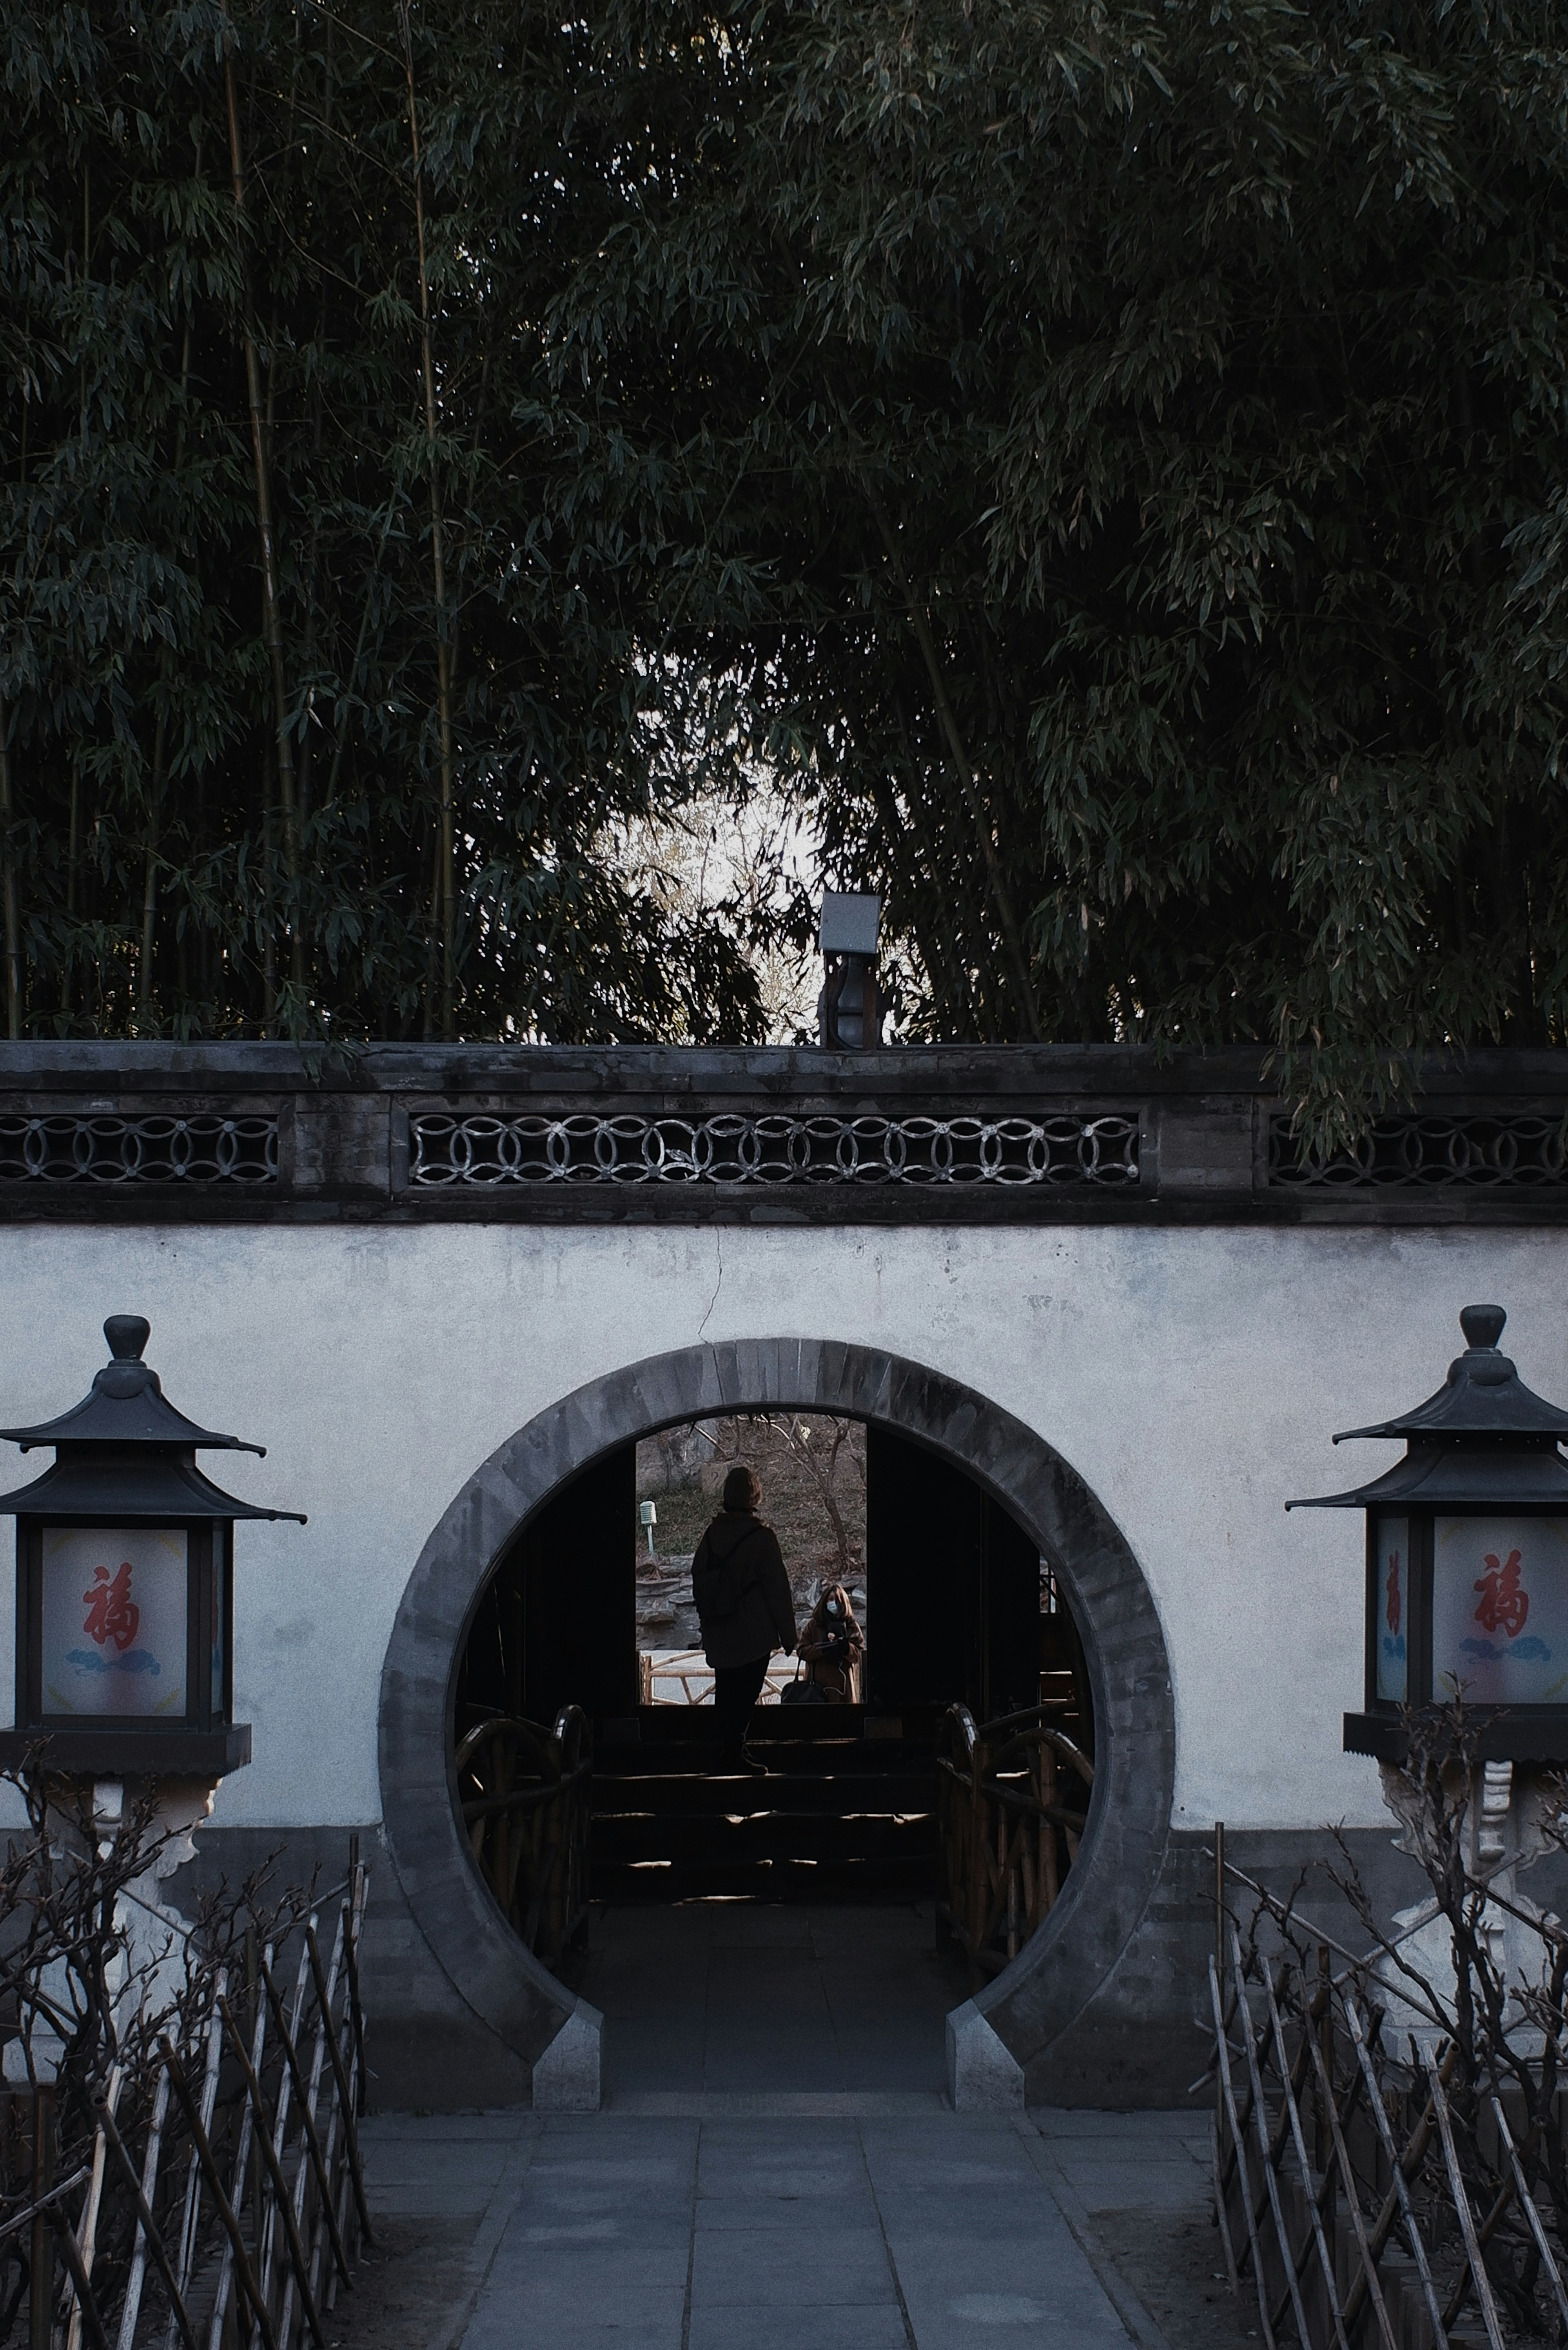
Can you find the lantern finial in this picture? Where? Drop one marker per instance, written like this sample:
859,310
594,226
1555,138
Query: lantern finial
1482,1325
126,1335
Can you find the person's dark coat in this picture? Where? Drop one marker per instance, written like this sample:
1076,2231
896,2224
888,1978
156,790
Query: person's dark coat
743,1593
834,1651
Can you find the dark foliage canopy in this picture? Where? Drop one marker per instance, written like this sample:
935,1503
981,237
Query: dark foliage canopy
327,705
1100,462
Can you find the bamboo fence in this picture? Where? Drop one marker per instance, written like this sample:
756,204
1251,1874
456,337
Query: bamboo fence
222,2202
1344,2206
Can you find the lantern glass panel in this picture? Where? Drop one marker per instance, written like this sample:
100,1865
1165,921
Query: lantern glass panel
1500,1609
115,1605
1391,1609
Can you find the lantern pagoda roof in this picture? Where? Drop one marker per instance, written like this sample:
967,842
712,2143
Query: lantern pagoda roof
1484,1440
124,1448
126,1405
1483,1394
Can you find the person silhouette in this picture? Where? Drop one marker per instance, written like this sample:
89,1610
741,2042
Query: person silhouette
745,1608
832,1645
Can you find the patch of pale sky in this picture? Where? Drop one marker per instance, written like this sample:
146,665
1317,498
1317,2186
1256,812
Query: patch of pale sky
739,858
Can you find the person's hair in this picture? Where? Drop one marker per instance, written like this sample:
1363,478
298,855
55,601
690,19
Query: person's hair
742,1489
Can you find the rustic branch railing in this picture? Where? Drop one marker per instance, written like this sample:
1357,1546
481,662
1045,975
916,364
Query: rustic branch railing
526,1800
1006,1836
1357,2186
223,2203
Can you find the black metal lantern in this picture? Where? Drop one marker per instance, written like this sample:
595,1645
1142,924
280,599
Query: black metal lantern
125,1583
1466,1560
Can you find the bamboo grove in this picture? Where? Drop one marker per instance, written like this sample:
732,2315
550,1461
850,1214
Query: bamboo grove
311,722
1097,466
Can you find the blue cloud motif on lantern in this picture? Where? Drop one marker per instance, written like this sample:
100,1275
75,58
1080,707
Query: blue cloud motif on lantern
1529,1651
135,1660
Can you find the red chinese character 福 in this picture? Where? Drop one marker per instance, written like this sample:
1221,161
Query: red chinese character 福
1394,1593
1502,1601
111,1613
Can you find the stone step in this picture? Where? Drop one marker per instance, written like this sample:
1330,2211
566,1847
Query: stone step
686,1794
763,1880
805,1758
768,1836
835,1817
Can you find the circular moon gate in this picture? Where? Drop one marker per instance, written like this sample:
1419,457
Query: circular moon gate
1057,1974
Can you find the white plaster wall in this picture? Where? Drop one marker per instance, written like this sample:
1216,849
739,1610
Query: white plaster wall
1193,1378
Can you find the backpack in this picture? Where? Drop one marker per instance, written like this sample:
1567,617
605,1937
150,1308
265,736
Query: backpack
723,1583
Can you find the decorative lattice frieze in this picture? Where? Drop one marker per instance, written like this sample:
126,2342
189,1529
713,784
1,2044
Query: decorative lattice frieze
158,1149
1422,1153
769,1149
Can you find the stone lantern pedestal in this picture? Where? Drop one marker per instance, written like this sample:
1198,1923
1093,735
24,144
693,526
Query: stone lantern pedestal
1510,1813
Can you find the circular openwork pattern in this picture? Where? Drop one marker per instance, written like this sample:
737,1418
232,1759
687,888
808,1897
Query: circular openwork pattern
771,1149
161,1150
1420,1153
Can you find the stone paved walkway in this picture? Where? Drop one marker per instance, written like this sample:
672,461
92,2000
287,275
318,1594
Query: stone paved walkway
885,2228
740,1998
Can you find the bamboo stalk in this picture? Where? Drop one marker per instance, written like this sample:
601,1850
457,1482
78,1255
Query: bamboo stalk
1484,2235
272,621
1221,2217
281,2196
148,2239
155,798
251,2120
1227,2092
73,855
358,1894
85,2309
313,2139
1462,2204
86,2242
280,2125
144,2191
254,2294
446,884
1260,2123
44,2204
149,883
1353,2201
1398,2201
919,619
301,2179
1294,2114
1298,2075
1532,2217
13,910
193,2176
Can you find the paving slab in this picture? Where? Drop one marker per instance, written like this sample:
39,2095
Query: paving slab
787,2325
740,1998
795,2268
755,2223
785,2232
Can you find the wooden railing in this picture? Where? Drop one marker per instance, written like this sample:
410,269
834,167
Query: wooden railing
525,1795
1007,1834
